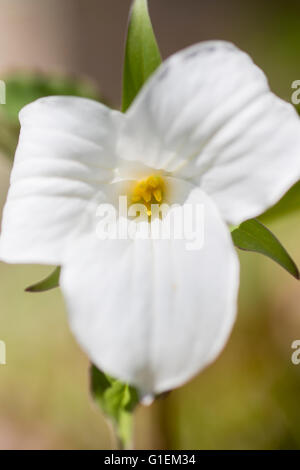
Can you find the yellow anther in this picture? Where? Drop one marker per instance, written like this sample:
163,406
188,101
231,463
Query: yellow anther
154,181
142,185
157,194
147,196
150,190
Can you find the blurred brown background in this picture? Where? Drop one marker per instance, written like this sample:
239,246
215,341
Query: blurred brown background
87,37
250,397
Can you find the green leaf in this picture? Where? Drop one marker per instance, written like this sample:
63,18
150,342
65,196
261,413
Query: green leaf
252,235
142,56
289,204
117,400
48,283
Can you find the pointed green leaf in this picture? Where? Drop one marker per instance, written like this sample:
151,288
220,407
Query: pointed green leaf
252,235
48,283
142,56
117,400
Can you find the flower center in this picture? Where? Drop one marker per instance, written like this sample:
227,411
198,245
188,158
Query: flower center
148,191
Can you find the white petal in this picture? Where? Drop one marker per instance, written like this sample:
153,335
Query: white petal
150,312
66,154
208,115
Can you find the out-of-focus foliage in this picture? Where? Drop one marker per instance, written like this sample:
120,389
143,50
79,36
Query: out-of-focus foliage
22,89
290,203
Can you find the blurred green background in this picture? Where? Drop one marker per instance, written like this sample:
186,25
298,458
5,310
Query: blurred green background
250,397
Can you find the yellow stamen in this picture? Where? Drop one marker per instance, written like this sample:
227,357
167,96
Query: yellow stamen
147,196
157,194
150,190
154,181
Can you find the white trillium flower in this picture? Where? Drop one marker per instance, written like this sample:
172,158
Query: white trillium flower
151,312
